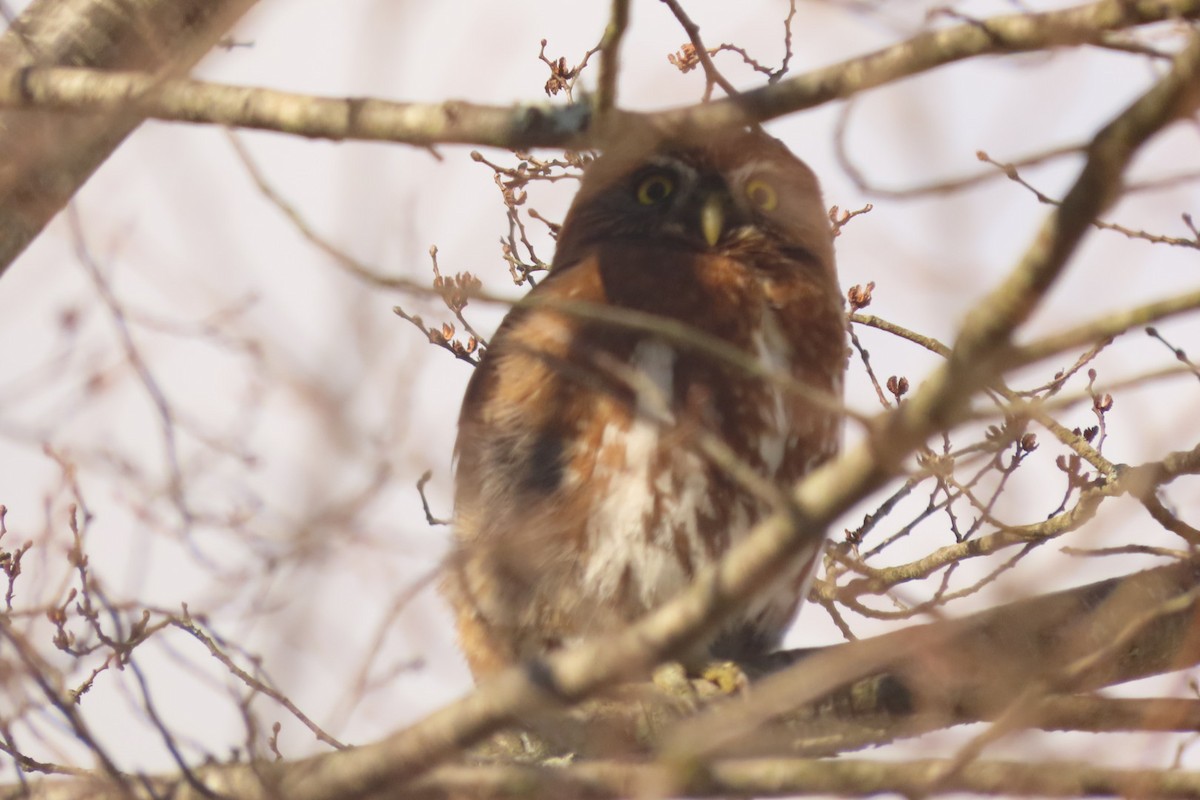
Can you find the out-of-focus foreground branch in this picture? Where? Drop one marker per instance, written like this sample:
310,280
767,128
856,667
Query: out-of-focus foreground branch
48,155
525,125
923,678
774,777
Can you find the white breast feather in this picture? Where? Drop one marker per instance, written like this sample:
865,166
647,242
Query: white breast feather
774,353
619,540
618,531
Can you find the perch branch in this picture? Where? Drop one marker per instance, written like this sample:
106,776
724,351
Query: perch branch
544,125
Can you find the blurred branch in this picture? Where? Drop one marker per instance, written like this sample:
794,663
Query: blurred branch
991,324
901,684
927,677
340,257
1011,172
1099,714
787,777
753,777
48,156
154,391
540,125
942,186
610,63
1099,329
186,622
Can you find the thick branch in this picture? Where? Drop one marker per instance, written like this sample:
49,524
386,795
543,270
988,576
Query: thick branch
926,677
610,58
1105,327
761,777
542,125
917,679
787,777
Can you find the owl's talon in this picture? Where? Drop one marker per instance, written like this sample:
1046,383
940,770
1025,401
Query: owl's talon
715,678
727,676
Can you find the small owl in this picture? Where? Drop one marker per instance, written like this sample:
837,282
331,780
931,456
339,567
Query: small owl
584,496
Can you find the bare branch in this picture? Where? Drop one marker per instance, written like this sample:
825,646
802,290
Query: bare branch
1100,329
186,622
570,126
610,63
711,73
751,777
1043,636
1010,171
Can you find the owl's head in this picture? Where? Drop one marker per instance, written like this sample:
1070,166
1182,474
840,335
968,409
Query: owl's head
740,193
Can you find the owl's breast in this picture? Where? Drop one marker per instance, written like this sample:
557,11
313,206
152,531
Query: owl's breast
652,506
594,479
660,508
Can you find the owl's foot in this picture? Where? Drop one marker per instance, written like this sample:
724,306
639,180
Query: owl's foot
727,676
681,692
711,679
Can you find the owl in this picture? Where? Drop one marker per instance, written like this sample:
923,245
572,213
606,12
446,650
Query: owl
584,493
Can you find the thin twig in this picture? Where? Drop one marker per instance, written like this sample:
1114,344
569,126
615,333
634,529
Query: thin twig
1012,173
711,73
185,622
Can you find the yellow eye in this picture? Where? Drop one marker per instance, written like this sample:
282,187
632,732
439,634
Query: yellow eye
655,189
762,194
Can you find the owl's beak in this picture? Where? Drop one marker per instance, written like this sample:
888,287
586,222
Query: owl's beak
712,219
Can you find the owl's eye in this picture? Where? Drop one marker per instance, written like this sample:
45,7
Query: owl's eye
762,194
654,189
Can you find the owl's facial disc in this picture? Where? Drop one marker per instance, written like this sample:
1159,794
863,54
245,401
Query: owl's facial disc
699,207
715,209
715,215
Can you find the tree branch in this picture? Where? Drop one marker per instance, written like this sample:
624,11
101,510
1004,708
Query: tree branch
542,125
751,777
926,677
901,684
610,56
